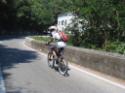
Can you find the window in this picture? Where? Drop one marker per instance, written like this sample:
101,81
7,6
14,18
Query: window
65,22
58,22
62,22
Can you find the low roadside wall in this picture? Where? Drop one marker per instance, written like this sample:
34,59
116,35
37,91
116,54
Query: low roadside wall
108,63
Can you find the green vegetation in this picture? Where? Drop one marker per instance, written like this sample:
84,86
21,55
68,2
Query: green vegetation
116,47
102,24
41,38
105,27
46,39
28,14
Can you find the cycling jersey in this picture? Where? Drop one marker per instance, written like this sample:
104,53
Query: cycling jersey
58,41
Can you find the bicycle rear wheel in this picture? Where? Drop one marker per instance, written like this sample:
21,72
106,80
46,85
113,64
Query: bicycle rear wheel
50,60
63,67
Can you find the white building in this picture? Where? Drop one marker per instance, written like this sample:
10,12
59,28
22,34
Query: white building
64,20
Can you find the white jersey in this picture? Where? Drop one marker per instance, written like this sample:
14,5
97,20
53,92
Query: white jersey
56,35
59,43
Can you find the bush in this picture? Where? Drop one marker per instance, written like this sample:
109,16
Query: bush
110,46
41,38
116,46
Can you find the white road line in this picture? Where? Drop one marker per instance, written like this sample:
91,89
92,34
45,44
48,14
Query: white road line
89,73
99,77
2,85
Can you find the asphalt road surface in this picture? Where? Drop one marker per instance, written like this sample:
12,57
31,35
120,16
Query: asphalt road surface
26,71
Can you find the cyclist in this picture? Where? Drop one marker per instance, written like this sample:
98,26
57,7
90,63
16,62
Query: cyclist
58,44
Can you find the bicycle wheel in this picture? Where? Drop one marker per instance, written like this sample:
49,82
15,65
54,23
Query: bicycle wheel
63,67
50,60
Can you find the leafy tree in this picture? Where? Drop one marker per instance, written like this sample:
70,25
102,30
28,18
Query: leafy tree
105,18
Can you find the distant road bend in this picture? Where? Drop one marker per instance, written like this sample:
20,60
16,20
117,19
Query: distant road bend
26,71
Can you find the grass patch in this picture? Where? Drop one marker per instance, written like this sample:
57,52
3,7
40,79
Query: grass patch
111,46
41,38
116,46
46,39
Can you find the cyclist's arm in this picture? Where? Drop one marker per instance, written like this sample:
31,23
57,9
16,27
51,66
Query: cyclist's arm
51,40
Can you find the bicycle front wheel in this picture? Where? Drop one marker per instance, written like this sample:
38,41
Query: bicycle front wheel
63,67
50,60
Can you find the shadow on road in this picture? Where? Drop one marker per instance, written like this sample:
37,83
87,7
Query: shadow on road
2,38
9,57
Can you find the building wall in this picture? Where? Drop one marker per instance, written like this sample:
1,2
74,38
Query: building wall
64,20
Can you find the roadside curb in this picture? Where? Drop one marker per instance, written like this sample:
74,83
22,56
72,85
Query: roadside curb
110,64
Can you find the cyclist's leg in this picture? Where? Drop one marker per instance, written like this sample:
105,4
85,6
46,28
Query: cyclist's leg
61,45
61,52
51,49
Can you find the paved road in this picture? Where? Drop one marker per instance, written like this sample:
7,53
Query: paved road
26,71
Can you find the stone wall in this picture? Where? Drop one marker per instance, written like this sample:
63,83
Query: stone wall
108,63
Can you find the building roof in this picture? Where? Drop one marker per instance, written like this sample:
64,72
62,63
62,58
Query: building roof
66,14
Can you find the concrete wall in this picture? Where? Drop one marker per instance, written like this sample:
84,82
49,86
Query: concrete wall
108,63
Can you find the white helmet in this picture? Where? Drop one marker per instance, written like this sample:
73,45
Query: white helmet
53,28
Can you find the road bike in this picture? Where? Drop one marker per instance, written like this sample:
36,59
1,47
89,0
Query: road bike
58,62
